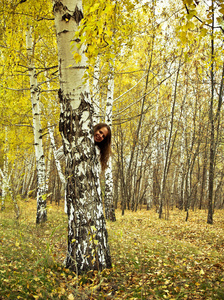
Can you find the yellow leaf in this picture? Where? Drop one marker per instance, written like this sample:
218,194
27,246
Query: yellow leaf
36,278
204,32
71,297
77,57
202,272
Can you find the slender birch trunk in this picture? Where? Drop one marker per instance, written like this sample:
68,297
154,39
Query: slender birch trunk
109,197
88,247
38,144
154,156
181,175
6,186
168,149
31,177
4,189
29,174
57,162
204,173
48,169
5,172
214,120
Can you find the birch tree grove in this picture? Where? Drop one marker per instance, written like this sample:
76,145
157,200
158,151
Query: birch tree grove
88,247
167,121
40,160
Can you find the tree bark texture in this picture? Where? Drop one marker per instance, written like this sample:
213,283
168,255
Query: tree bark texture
109,188
88,247
37,130
212,131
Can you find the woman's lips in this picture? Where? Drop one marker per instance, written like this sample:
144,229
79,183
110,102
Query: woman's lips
97,138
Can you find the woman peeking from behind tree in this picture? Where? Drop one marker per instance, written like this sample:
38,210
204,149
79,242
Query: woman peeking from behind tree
102,138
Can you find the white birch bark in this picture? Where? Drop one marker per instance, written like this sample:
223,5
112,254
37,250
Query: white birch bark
57,162
7,189
29,174
26,174
168,149
40,161
48,168
95,92
32,172
154,157
180,181
16,207
173,187
4,189
17,174
5,173
88,247
109,197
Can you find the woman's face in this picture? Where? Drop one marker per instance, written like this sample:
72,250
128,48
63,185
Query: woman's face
100,134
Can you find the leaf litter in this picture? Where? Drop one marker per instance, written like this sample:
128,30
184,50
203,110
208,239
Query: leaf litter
152,258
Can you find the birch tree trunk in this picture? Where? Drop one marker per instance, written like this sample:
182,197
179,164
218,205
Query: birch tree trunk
8,189
38,144
109,197
168,149
181,175
29,174
4,188
5,173
154,156
88,247
48,169
57,162
95,92
214,119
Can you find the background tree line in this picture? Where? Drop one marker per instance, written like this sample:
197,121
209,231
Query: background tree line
166,64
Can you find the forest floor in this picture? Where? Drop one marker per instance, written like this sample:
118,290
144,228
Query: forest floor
152,258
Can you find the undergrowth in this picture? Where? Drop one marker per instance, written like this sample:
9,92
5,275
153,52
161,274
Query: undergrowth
152,258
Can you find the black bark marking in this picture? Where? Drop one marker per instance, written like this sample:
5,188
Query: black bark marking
66,17
85,213
58,6
60,96
78,15
64,31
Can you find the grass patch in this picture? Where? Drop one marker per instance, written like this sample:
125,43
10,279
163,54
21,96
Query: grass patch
152,258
